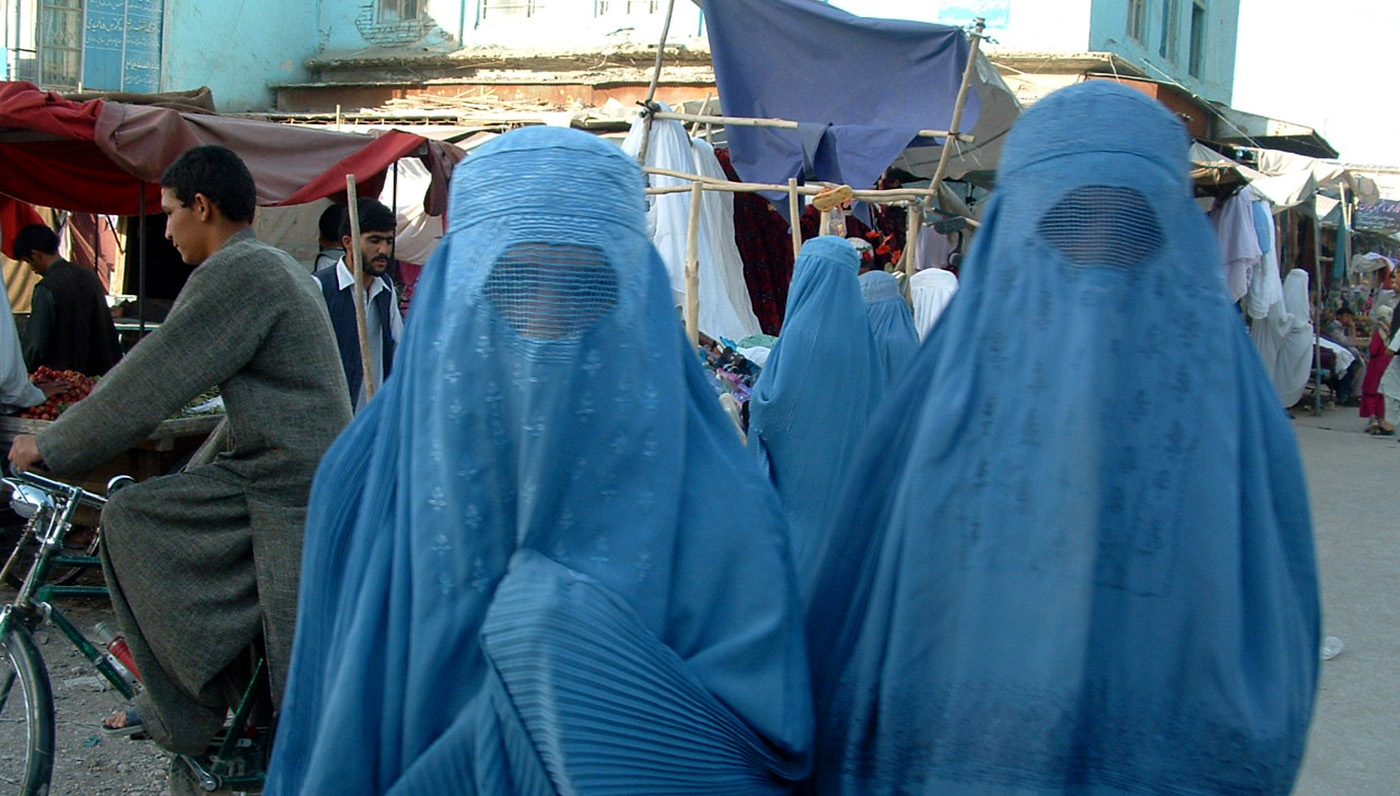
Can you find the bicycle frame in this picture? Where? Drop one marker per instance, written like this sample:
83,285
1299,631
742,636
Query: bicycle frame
53,504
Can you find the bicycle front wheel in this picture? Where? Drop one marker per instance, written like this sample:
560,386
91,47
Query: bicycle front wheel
26,716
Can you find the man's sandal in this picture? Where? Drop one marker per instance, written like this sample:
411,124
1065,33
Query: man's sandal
125,723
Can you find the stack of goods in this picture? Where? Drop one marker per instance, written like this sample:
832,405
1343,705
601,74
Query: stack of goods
78,388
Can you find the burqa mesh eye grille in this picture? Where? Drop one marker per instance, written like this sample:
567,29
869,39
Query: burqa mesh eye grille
1103,225
552,291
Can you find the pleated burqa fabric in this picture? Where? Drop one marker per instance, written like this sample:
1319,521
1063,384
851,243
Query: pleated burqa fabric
540,561
817,392
891,321
1076,555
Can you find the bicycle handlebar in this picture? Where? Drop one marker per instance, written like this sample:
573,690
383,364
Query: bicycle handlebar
54,487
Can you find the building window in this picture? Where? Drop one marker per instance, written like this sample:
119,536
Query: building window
494,9
605,7
1196,66
391,11
1170,21
1137,19
61,43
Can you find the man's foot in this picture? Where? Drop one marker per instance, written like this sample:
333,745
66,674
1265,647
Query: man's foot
125,723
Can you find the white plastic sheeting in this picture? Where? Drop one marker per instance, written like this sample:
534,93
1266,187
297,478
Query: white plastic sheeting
725,308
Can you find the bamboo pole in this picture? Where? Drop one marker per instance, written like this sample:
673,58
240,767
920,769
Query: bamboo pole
913,227
352,258
795,217
650,104
980,26
692,266
785,124
1317,314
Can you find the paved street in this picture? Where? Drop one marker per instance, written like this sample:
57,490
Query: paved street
1354,480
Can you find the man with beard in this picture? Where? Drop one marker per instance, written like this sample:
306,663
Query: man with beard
381,306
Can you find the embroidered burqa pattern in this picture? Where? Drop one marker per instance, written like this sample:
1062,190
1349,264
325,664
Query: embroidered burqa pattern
523,569
1058,568
815,396
892,322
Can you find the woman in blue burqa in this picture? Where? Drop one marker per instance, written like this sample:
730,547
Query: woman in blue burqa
891,321
540,560
1080,561
817,392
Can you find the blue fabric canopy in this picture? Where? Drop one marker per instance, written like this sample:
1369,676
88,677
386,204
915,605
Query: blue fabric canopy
862,88
817,392
1075,555
892,322
540,560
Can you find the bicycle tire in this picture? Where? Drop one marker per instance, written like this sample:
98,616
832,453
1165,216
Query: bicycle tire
26,716
12,536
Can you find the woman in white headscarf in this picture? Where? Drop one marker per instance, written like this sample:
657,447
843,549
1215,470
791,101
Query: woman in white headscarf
930,289
1284,339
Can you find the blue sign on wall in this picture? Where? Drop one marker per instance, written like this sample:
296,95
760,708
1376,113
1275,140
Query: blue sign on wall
121,50
1383,216
962,12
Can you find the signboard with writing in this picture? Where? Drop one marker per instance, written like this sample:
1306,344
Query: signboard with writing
1383,216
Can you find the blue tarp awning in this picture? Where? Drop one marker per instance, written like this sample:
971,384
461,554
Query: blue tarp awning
861,88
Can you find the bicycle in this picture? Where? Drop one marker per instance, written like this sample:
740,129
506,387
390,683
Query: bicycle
235,760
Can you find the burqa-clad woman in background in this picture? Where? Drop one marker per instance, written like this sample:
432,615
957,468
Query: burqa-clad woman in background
540,561
891,321
1081,560
815,396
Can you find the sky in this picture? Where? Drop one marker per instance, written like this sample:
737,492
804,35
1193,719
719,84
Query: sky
1327,65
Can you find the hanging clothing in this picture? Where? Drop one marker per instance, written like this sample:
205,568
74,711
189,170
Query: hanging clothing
1056,569
1265,284
765,245
544,520
891,321
930,289
725,311
1239,241
817,391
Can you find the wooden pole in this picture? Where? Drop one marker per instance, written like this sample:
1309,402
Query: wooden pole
786,124
913,228
1317,314
650,105
352,258
958,106
692,266
795,216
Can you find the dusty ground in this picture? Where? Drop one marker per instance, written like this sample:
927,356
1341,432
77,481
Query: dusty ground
86,763
1356,730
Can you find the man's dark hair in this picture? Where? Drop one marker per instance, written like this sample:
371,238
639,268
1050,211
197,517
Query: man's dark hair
35,237
330,222
217,173
374,217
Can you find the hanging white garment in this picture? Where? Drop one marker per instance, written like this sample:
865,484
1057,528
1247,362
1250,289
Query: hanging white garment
930,290
725,308
1265,284
1284,339
1239,242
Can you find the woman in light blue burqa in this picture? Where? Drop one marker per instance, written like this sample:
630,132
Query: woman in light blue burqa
540,560
891,321
1079,561
822,382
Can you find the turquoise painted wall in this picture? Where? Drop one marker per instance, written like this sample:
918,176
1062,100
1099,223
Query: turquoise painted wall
238,47
1108,31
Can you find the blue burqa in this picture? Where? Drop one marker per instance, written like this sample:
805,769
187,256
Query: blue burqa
540,560
892,322
817,392
1076,555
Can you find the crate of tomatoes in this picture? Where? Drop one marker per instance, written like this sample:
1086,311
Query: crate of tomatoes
78,388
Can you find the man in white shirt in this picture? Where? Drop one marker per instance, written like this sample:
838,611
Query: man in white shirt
385,324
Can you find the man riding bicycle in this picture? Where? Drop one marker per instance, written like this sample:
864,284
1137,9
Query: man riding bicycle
201,563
